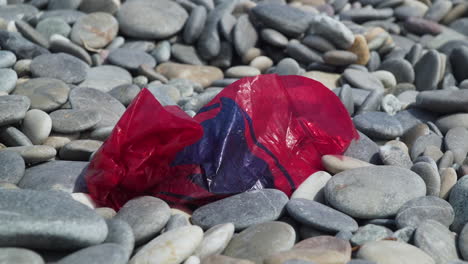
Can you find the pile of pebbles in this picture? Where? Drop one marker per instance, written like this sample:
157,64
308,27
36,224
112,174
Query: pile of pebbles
69,69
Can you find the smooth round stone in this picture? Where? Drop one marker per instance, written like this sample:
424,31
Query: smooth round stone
458,202
195,24
364,149
448,180
373,192
34,154
430,176
427,71
260,241
59,66
419,209
386,78
318,43
57,141
312,187
337,163
215,240
11,167
261,206
91,99
273,37
104,253
302,53
395,156
9,78
13,137
244,34
45,94
125,93
445,123
71,121
378,125
458,59
171,247
7,59
106,77
107,6
443,101
242,71
421,26
176,221
420,145
438,10
162,51
287,66
20,256
340,57
66,176
283,18
391,252
362,80
370,233
130,59
204,75
262,63
52,26
455,141
95,30
79,150
185,54
106,213
320,249
436,240
48,220
169,15
400,68
37,126
63,4
333,30
320,216
13,108
120,233
463,242
146,216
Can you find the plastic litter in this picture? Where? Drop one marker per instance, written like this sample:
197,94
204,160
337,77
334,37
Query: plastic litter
267,131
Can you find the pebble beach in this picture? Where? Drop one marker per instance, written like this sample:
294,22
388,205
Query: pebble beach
398,195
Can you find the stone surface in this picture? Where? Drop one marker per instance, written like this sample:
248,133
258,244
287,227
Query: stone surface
430,176
48,220
67,176
79,150
204,75
378,125
171,247
9,78
370,233
130,59
59,66
20,256
312,187
106,77
91,99
337,163
319,216
456,199
37,126
133,23
395,156
13,137
35,154
71,121
95,30
390,252
146,216
21,47
364,149
11,167
13,108
120,233
215,240
333,30
260,241
436,240
400,68
373,192
363,80
45,94
261,206
413,212
107,252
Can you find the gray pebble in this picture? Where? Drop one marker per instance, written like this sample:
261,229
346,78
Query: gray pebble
104,253
244,34
9,78
364,149
66,176
405,234
287,66
400,68
20,256
11,167
369,233
176,221
70,121
419,209
21,47
13,108
373,192
457,199
125,93
120,233
130,59
195,24
274,38
106,77
7,59
13,137
436,240
430,176
59,44
378,125
362,80
427,71
53,25
48,220
146,216
302,53
320,216
261,206
79,150
186,54
394,156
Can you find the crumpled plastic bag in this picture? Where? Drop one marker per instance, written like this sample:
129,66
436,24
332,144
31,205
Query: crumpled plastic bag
267,131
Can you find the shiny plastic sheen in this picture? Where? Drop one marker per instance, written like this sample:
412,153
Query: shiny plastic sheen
266,131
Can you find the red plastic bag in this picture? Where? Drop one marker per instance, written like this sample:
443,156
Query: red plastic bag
267,131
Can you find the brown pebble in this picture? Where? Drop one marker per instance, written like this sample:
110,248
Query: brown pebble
361,49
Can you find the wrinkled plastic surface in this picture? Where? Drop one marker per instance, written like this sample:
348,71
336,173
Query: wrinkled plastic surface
267,131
